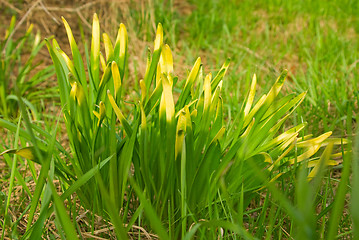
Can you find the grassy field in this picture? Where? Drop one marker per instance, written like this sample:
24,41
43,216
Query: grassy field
109,140
316,41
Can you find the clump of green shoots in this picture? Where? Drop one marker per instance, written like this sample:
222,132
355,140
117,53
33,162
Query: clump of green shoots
170,164
17,72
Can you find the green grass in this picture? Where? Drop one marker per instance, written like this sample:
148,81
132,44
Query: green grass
197,171
317,42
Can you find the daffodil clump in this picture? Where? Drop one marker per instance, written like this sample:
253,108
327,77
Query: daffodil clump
170,164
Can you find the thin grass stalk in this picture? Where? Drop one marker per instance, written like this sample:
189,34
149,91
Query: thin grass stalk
12,178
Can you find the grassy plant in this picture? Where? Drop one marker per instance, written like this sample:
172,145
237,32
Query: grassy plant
172,165
15,71
91,126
